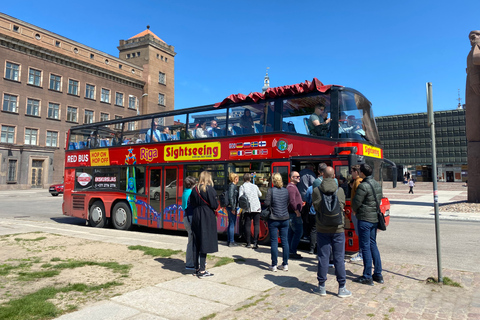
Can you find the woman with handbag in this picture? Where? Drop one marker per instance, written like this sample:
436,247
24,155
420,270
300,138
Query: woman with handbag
232,208
277,200
203,200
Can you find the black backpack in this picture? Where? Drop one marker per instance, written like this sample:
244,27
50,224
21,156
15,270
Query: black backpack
224,202
331,214
243,203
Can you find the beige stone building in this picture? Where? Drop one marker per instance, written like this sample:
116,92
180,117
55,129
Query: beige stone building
50,83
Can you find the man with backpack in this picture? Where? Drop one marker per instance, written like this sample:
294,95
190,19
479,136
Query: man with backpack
329,201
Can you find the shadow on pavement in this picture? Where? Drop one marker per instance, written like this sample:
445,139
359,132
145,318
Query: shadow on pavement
413,203
69,220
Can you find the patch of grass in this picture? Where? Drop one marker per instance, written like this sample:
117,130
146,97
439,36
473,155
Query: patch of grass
55,259
245,306
114,266
36,305
392,309
29,276
446,281
223,261
449,282
370,315
46,265
36,239
154,252
210,316
6,268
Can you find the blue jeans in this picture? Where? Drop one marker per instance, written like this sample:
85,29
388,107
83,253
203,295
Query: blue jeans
232,219
367,237
275,226
335,241
295,232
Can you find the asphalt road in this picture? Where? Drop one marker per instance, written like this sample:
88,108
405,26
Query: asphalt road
405,241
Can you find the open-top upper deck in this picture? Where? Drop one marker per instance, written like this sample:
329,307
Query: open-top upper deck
328,115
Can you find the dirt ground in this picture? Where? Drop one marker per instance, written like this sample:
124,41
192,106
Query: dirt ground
34,252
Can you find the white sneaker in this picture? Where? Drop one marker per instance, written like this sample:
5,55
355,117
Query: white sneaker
273,268
283,267
357,257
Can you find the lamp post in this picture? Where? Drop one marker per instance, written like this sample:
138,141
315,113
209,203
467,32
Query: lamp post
143,103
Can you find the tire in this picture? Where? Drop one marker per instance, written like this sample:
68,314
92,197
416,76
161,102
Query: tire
167,196
122,216
54,194
97,217
157,196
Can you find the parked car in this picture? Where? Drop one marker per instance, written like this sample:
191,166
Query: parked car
170,191
56,189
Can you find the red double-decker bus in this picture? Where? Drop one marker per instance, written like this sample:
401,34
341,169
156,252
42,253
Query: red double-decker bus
130,171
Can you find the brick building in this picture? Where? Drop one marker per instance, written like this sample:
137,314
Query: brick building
50,83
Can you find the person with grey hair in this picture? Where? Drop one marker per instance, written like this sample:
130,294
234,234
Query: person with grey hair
252,193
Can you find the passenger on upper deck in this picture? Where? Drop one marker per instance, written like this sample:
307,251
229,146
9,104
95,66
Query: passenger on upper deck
166,131
354,126
318,123
93,141
156,133
117,139
213,127
201,131
246,121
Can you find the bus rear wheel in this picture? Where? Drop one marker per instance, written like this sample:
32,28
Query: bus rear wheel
96,217
122,216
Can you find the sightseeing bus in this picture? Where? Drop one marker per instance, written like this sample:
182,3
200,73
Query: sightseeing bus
130,171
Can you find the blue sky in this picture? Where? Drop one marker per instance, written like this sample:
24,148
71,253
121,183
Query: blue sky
387,50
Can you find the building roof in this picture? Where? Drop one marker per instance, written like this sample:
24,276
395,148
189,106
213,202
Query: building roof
144,33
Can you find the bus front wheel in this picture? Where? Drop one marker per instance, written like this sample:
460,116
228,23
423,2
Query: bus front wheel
97,216
122,216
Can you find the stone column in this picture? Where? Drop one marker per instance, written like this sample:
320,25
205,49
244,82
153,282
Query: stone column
472,114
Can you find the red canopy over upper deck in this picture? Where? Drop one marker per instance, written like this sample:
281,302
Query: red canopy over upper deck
290,90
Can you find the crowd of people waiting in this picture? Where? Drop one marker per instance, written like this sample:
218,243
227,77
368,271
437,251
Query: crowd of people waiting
312,200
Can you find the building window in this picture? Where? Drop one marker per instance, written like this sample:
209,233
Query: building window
105,97
35,77
162,78
12,71
9,103
16,28
31,136
53,111
161,99
57,43
88,116
104,116
119,99
128,55
92,56
33,107
138,54
73,87
12,170
119,66
133,54
72,114
132,100
52,139
90,91
55,82
166,59
118,126
8,134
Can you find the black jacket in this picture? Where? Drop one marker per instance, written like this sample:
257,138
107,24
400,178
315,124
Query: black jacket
232,195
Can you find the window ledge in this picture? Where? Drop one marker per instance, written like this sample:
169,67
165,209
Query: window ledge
54,119
32,116
87,98
34,85
68,121
117,105
105,102
11,80
11,112
53,90
73,95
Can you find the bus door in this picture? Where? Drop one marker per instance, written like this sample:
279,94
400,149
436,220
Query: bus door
164,211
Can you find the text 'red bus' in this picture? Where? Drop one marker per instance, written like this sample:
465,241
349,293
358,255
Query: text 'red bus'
130,171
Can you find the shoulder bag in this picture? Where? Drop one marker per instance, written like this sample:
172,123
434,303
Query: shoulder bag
267,212
381,218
